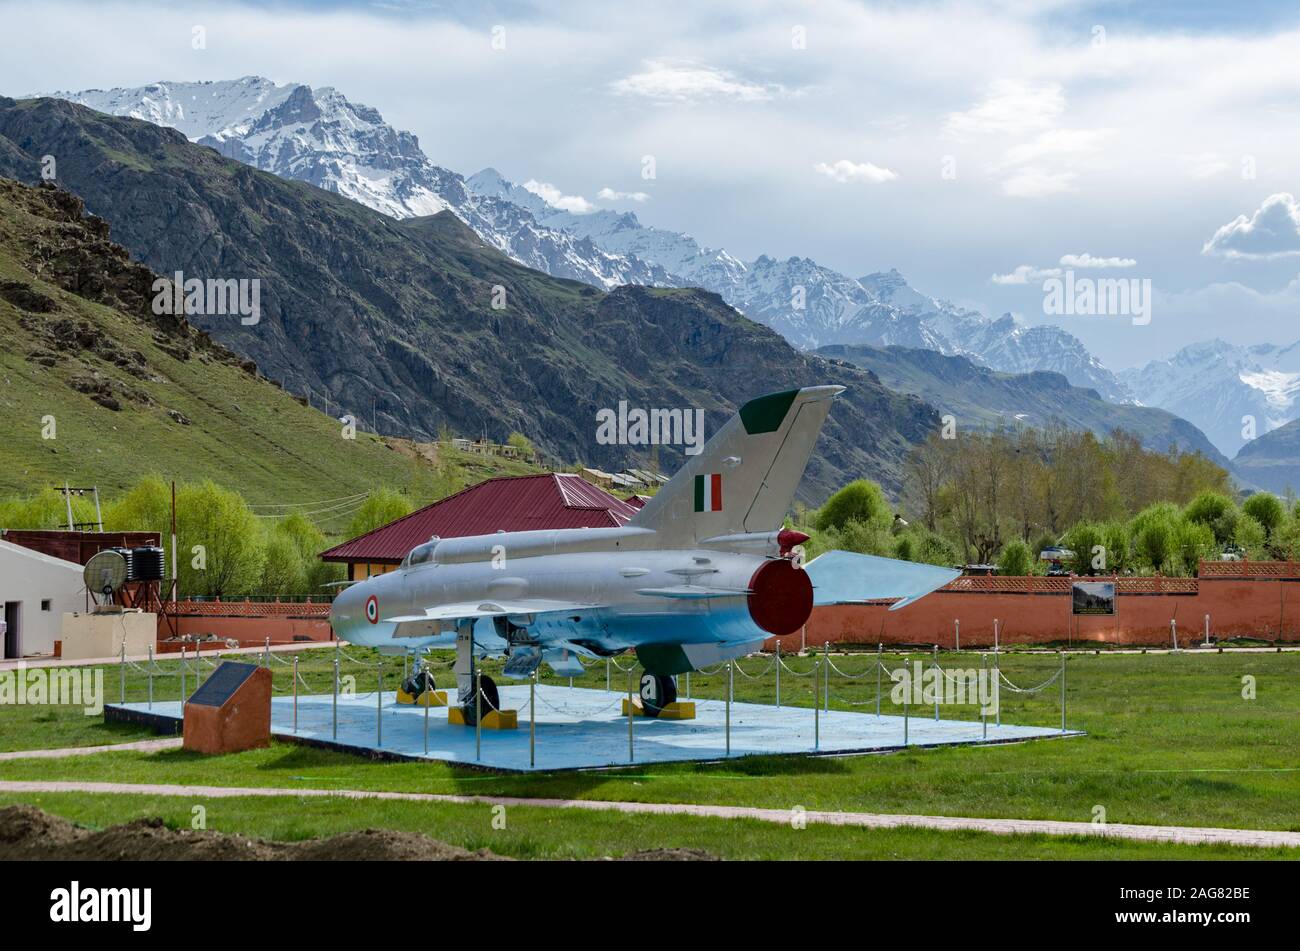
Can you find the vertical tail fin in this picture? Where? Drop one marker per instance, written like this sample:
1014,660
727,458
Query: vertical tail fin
746,475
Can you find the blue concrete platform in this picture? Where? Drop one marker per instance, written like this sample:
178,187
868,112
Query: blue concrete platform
582,728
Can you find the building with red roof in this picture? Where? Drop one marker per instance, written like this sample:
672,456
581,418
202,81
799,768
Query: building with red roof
504,504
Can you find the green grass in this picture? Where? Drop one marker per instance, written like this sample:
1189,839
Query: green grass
1171,741
545,833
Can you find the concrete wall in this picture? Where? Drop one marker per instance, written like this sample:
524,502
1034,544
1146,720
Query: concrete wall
30,578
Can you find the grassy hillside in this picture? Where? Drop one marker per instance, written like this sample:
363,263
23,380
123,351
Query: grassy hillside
130,393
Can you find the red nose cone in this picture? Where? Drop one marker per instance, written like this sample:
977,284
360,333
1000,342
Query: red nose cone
788,538
781,597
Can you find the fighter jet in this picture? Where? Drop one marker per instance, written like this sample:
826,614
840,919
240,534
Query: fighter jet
703,573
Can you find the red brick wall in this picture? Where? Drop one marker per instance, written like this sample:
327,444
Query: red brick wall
1237,605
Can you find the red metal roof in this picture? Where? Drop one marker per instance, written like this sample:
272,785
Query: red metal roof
506,503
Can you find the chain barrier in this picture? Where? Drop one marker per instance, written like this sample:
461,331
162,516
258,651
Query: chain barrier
1043,686
798,673
761,674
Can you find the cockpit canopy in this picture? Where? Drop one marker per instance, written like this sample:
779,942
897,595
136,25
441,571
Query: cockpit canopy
420,554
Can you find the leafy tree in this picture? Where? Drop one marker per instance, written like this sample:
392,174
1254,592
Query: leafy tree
1250,536
282,571
1208,507
146,507
46,509
520,441
1265,508
1015,559
1155,541
860,501
1082,539
380,507
220,541
1194,541
1115,538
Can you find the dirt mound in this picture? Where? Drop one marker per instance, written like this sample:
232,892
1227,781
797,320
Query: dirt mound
669,855
29,833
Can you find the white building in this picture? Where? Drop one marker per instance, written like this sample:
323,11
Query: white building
36,590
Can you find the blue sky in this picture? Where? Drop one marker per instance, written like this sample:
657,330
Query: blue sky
968,144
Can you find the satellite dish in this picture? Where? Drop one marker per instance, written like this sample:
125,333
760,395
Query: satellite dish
105,573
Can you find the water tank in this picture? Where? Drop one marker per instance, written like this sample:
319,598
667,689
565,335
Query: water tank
146,564
126,554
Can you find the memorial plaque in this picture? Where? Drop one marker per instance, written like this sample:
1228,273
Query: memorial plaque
231,711
223,683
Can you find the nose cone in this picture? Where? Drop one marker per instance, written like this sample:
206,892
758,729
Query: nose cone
345,611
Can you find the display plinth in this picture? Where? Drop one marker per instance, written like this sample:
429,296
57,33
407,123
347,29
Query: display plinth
231,711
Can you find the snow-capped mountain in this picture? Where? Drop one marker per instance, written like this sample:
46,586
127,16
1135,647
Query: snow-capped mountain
319,136
1216,385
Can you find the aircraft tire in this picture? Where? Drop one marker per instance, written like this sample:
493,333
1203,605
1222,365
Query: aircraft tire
491,701
418,683
657,692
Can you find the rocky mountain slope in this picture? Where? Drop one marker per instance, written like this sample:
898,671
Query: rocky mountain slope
98,389
986,398
395,320
1272,461
1217,385
319,136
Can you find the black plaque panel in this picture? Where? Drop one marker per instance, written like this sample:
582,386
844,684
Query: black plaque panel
1093,598
223,683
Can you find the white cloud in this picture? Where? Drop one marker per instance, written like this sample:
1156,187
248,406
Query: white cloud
1010,107
608,194
854,172
1034,182
1026,274
1086,260
1273,231
688,82
1057,143
557,199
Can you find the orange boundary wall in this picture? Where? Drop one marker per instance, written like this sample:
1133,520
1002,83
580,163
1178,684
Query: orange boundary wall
250,622
1255,599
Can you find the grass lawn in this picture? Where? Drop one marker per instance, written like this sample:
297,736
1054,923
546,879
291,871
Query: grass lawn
561,834
1171,741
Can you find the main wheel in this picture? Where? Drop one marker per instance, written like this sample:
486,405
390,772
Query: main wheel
657,692
489,700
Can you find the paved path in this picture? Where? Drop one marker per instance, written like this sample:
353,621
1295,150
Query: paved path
1186,835
147,746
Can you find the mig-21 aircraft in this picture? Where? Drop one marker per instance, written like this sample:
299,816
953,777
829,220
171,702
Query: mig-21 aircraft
705,572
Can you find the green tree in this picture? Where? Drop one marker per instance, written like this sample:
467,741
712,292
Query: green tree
46,509
1155,538
860,501
146,507
1194,541
1208,507
1265,508
1015,559
1089,547
282,569
220,541
1250,536
380,507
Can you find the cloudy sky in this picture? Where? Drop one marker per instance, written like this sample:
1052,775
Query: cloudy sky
978,147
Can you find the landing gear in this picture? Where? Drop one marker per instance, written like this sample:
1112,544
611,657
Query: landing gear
419,681
657,692
489,700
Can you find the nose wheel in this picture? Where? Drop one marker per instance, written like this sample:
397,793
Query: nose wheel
416,684
489,700
657,692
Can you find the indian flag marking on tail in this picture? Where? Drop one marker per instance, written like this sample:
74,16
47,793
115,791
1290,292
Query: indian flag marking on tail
708,492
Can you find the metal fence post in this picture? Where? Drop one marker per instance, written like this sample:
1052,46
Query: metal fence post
688,685
427,683
997,687
295,693
880,648
731,682
1173,631
336,693
631,715
938,683
817,709
956,627
532,713
995,634
1062,691
984,718
778,675
826,683
1207,630
268,651
379,703
478,713
905,716
607,687
150,676
122,673
198,667
182,676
